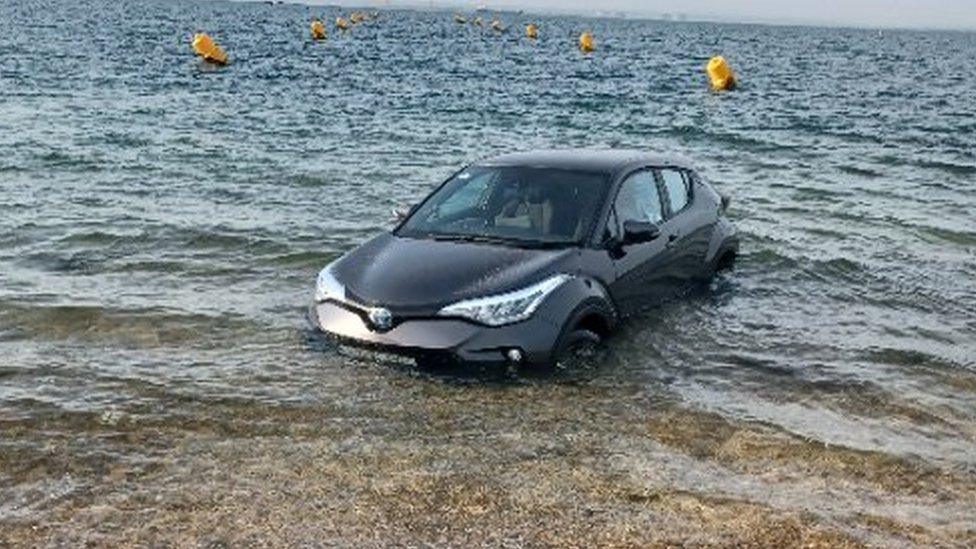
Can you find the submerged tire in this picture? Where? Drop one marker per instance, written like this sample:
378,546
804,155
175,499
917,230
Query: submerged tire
576,348
724,261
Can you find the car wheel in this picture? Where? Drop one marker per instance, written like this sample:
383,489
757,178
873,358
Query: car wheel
577,349
726,262
723,262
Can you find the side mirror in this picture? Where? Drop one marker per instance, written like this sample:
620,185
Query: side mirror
637,232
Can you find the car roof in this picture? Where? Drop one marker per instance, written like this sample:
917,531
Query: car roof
609,161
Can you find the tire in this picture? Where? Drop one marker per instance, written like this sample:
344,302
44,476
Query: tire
724,261
576,348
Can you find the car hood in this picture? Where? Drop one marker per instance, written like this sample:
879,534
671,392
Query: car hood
419,277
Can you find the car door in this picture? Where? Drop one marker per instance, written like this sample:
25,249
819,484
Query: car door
641,269
687,227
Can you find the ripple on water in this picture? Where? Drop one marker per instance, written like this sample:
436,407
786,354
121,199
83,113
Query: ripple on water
162,222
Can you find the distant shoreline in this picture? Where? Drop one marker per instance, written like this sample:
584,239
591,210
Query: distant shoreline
446,6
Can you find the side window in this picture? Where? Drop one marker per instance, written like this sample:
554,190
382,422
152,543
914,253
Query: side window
677,188
638,199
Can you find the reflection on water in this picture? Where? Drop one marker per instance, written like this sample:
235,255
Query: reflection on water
161,225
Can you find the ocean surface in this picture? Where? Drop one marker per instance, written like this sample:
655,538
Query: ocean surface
162,222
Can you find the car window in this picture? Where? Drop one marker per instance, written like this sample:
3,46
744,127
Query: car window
676,186
517,204
638,199
466,197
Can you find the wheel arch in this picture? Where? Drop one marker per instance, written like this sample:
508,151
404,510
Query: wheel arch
725,239
596,312
583,303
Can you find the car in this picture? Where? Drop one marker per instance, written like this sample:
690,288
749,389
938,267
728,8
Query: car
528,258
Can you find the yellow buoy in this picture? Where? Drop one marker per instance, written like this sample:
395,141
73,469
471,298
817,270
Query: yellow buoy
531,31
342,23
720,74
318,29
205,47
586,42
459,19
202,43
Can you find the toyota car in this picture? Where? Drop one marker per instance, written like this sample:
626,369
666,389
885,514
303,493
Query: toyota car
528,258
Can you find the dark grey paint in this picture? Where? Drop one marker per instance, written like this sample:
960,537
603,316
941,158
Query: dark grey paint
415,278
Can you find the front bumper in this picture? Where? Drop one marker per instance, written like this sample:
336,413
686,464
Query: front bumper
448,338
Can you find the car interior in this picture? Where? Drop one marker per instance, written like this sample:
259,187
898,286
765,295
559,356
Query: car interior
541,207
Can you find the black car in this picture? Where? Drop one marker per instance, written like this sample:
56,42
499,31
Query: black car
528,258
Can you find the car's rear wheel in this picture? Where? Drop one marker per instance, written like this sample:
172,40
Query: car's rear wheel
722,262
726,262
577,349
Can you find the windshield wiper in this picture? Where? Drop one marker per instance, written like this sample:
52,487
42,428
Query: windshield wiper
469,238
512,242
543,244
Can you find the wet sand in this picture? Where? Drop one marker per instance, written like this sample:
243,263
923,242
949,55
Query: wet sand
531,462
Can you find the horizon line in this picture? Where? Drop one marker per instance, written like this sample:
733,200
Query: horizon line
643,15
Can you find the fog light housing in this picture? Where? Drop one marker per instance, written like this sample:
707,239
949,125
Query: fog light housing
514,355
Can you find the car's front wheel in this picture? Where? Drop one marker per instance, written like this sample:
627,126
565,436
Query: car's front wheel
578,348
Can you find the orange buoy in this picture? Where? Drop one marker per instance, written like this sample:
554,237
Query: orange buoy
720,74
205,47
586,42
531,31
318,29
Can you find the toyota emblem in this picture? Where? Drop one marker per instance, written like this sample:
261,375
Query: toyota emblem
382,319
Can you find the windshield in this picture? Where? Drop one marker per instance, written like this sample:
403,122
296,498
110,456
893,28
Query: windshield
512,204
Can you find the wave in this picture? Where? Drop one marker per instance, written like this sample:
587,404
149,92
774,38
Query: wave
142,328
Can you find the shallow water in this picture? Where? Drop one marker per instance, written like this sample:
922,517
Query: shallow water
161,224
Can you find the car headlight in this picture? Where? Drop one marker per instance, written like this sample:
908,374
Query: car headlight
505,308
327,287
